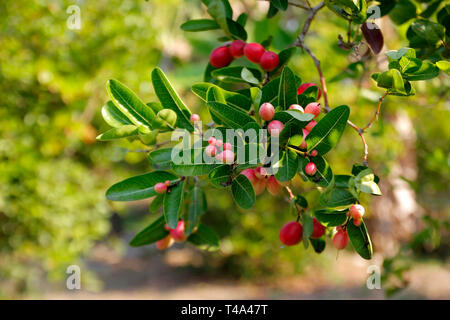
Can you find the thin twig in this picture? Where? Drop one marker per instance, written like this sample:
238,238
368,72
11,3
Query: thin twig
377,112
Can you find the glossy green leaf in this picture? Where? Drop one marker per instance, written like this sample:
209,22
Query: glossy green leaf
129,104
365,182
173,201
199,25
280,4
242,191
205,238
220,176
138,187
218,10
360,239
337,198
119,133
318,245
287,92
196,208
287,165
234,74
236,29
113,116
161,158
248,76
171,100
426,71
232,98
307,223
327,132
194,169
150,234
232,117
156,203
331,218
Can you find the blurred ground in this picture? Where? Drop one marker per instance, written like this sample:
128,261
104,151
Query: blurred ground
138,275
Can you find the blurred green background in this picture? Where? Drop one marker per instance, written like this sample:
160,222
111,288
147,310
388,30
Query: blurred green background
53,174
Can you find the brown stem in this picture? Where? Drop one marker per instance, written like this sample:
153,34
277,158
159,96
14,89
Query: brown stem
375,116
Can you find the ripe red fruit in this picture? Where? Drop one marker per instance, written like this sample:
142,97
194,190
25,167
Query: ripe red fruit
313,108
164,243
195,117
266,111
226,156
314,153
269,61
357,222
259,186
296,107
167,183
318,229
356,211
310,125
305,86
340,239
237,48
160,188
303,145
212,140
211,150
250,174
275,127
253,52
291,233
260,172
178,233
273,186
220,57
310,169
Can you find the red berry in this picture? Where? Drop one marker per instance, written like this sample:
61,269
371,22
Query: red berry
226,156
195,117
305,86
303,145
356,211
253,52
266,111
160,188
227,146
313,108
220,57
212,140
250,174
310,169
318,229
291,233
314,153
310,125
273,186
275,127
340,239
164,243
297,107
211,150
178,233
259,186
269,61
357,222
237,48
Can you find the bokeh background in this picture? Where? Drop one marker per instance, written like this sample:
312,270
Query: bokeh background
53,173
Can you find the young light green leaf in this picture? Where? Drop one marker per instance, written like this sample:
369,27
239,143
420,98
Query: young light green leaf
138,187
173,200
242,191
129,104
365,182
113,116
360,239
152,233
119,133
327,132
171,100
248,76
218,10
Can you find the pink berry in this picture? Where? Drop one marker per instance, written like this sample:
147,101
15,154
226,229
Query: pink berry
160,188
340,239
269,61
226,156
273,186
211,150
178,233
310,169
275,127
310,125
357,222
167,183
291,233
296,107
357,211
220,57
250,174
266,111
164,243
259,186
313,108
314,153
218,143
195,117
305,86
318,229
212,140
253,52
237,48
227,146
